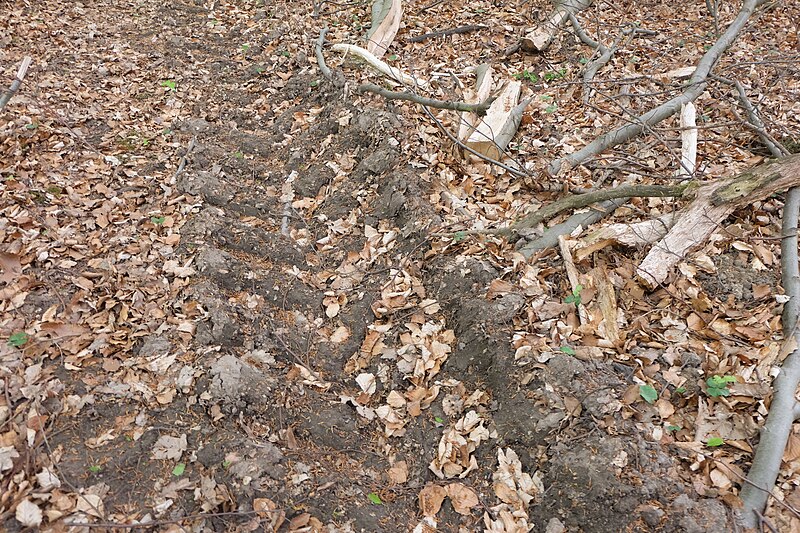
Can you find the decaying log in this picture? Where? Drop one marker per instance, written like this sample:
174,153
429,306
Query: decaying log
713,203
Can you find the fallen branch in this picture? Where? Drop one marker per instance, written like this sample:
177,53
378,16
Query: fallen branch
605,56
539,39
15,85
377,64
182,162
582,200
445,33
784,409
479,109
695,88
323,67
583,219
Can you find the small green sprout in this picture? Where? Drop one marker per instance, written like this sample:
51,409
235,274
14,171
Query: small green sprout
575,297
648,393
718,385
18,339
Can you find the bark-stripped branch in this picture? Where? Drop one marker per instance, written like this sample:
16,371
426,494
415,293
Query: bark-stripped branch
694,89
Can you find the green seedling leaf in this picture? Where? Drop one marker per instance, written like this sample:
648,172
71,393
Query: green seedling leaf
648,393
527,75
718,385
713,442
575,297
179,469
18,339
459,236
157,220
226,464
439,419
169,84
393,57
680,390
551,108
567,350
94,469
374,498
674,428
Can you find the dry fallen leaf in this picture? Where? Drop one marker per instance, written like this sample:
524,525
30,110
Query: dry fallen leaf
462,497
431,498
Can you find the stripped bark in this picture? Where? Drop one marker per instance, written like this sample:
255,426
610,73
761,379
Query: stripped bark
386,15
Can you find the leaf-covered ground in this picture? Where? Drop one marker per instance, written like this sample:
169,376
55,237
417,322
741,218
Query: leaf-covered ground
233,296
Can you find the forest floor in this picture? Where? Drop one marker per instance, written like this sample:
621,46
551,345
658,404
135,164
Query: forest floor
232,297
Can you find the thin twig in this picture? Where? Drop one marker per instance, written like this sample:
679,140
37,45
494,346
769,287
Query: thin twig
154,523
445,33
754,120
479,109
183,160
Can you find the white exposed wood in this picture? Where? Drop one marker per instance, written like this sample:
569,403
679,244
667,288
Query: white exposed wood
377,64
497,128
15,85
688,140
539,38
481,93
572,274
386,15
641,233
